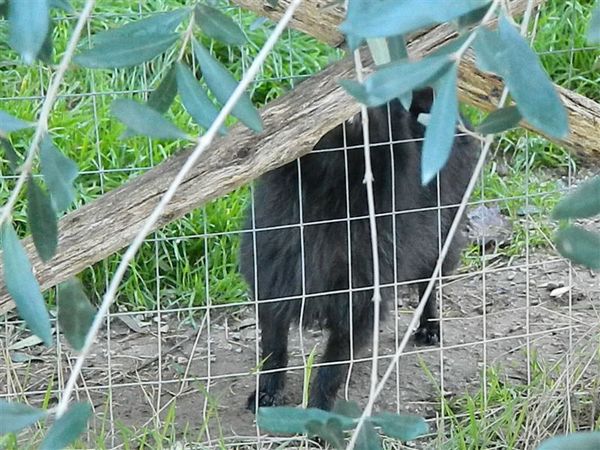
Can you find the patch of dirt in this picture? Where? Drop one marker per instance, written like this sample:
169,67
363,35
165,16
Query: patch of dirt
487,321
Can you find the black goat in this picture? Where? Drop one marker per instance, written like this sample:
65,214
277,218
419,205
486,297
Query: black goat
332,190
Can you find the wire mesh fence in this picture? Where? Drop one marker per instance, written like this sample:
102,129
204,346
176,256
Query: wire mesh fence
180,353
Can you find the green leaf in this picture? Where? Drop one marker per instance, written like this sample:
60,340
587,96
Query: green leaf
28,27
157,24
397,47
217,25
472,18
379,50
9,123
580,246
500,120
439,134
68,428
59,173
289,420
62,4
398,51
126,51
75,312
368,439
45,53
42,220
347,408
10,154
489,50
162,97
330,431
368,18
222,84
574,441
143,120
22,285
584,202
16,416
529,85
396,79
401,426
195,100
593,32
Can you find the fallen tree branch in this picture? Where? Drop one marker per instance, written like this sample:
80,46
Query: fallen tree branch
293,125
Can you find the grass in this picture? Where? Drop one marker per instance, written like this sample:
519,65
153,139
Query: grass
509,415
193,261
184,267
179,267
522,179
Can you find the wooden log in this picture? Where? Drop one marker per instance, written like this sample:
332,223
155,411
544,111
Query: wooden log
293,125
320,19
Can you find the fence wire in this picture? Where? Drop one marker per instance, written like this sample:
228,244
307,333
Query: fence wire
181,350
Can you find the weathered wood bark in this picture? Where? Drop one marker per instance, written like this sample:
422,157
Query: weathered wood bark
321,18
293,124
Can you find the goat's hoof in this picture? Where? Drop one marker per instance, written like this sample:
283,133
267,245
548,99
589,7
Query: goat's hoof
428,334
264,399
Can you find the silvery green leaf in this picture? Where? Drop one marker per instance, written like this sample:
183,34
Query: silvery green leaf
593,32
381,18
218,26
439,134
16,416
9,123
157,24
162,97
580,246
126,51
75,312
500,120
28,22
195,100
41,217
68,428
535,95
398,78
59,173
222,84
141,119
22,285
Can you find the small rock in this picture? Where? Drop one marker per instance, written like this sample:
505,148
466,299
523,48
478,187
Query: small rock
560,291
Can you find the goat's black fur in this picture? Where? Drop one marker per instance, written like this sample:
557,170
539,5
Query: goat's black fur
331,185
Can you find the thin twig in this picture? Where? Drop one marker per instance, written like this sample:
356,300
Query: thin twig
203,143
373,227
51,97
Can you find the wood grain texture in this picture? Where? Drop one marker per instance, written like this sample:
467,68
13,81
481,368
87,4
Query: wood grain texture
293,125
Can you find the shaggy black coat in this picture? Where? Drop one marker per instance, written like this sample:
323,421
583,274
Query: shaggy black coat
332,188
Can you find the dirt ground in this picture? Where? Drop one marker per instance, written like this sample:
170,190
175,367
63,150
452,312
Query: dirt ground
148,370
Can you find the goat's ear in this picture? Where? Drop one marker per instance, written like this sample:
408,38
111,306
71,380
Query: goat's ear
422,101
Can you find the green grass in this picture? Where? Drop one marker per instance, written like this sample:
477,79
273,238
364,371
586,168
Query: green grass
509,415
531,165
182,267
176,270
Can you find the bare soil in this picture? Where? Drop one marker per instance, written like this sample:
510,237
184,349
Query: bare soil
517,310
